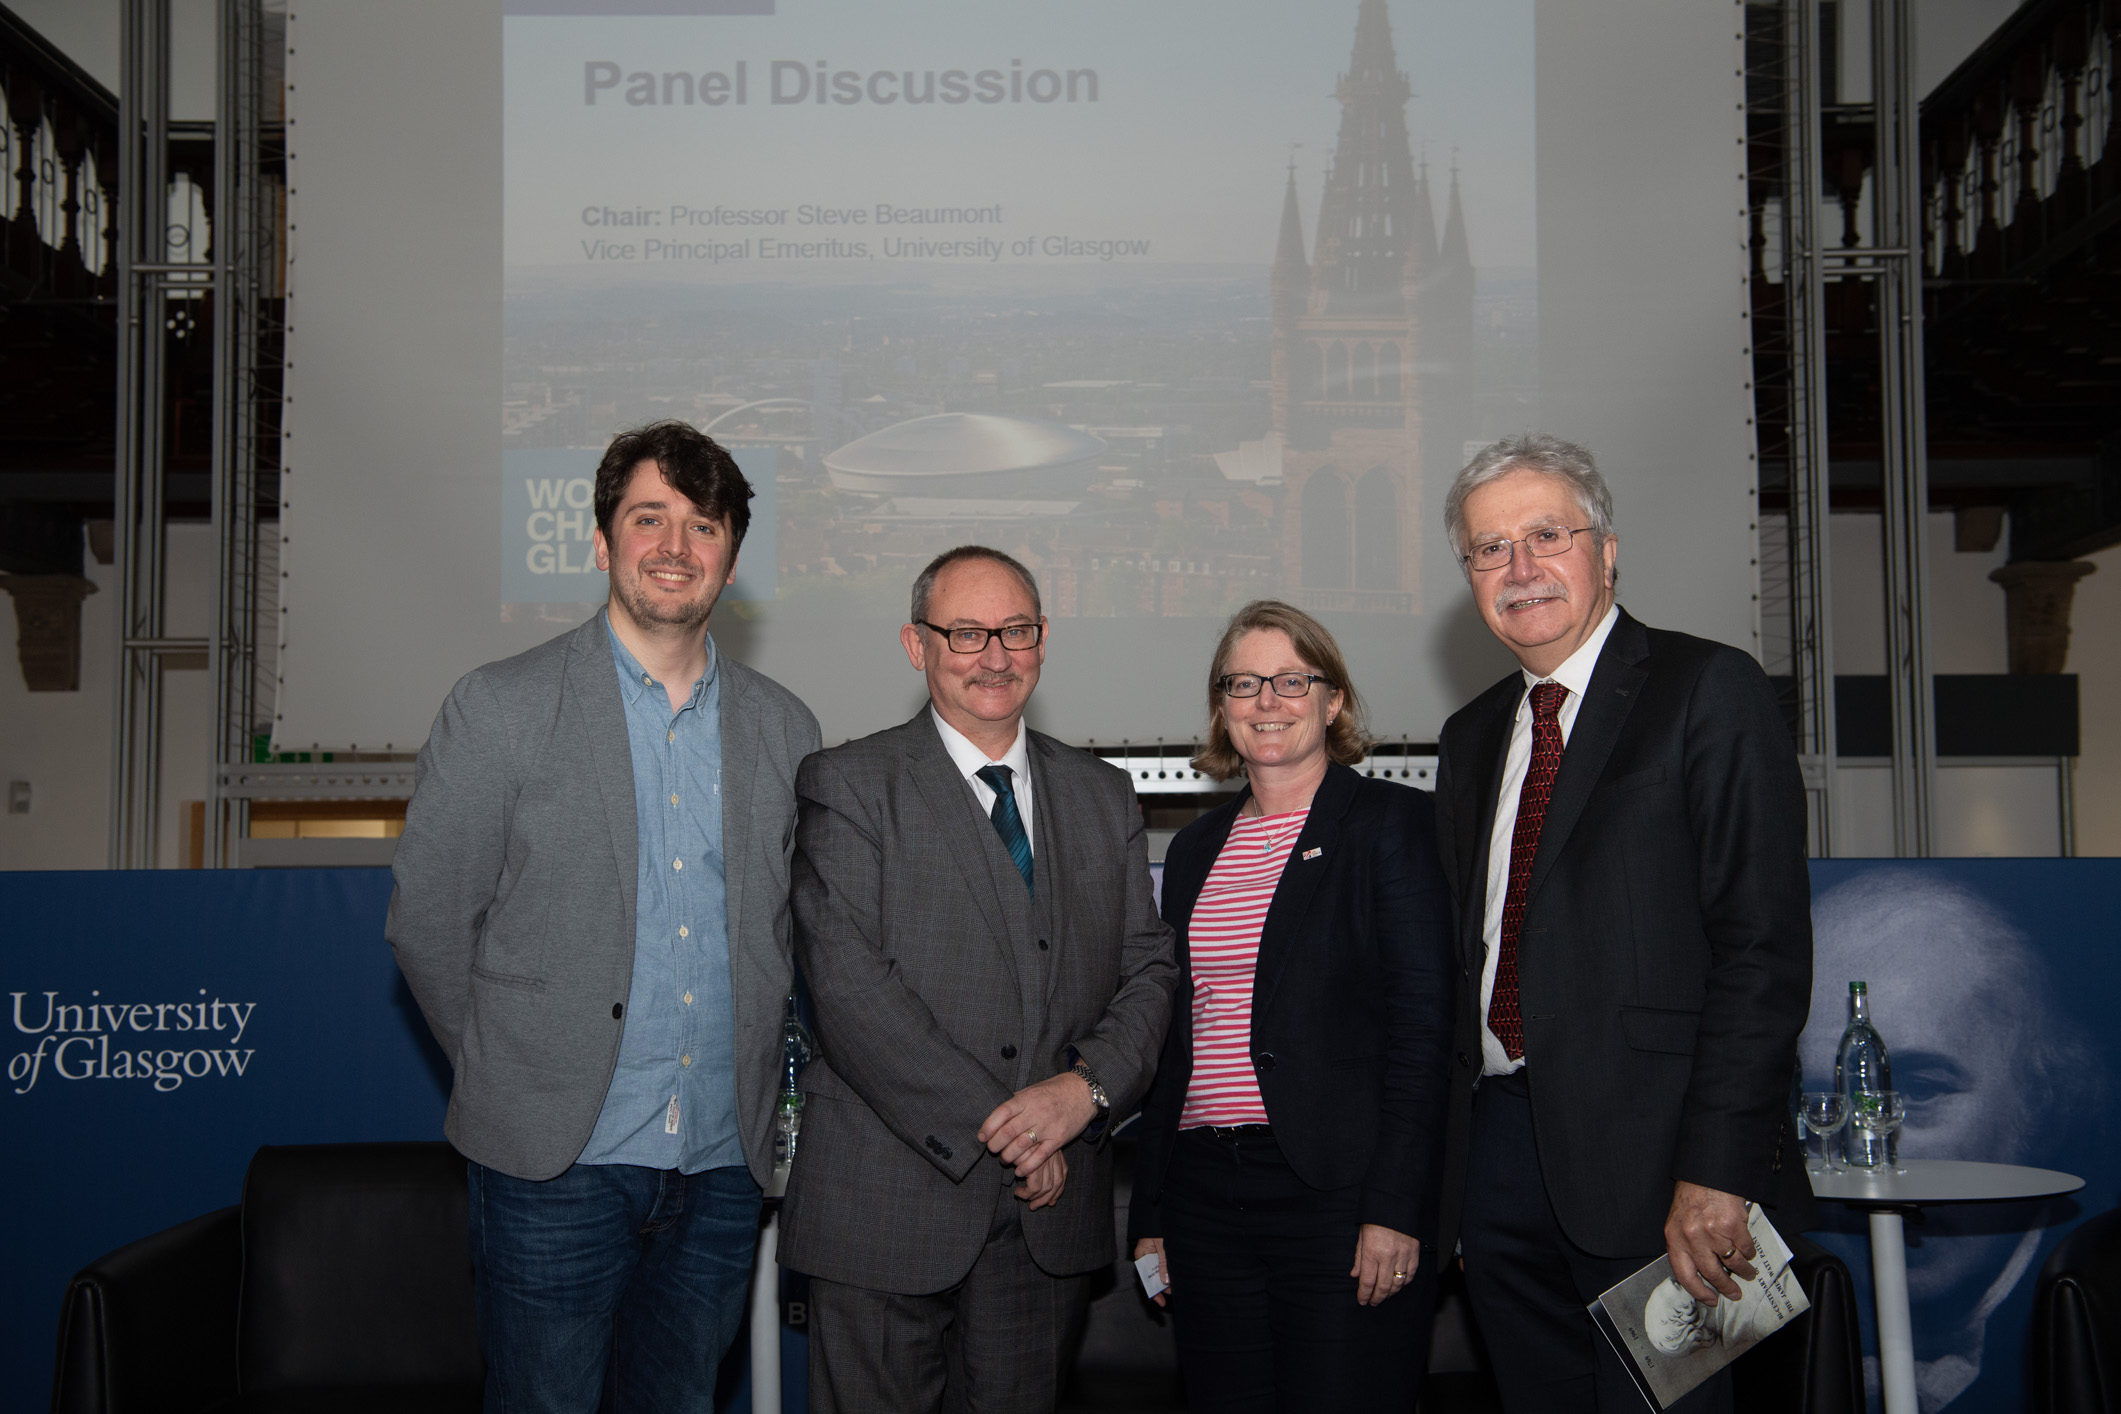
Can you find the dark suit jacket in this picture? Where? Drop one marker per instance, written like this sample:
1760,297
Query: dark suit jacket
1351,1004
942,987
1665,961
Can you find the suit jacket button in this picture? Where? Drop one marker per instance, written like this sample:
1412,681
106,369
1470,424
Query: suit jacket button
1465,1060
1265,1060
1008,1053
1042,945
618,1009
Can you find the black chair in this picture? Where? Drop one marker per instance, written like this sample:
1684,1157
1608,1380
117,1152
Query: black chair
342,1283
2076,1341
1815,1363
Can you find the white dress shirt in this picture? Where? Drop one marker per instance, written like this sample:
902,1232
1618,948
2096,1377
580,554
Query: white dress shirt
1575,675
969,758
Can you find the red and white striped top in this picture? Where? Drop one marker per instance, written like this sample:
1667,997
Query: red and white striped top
1224,942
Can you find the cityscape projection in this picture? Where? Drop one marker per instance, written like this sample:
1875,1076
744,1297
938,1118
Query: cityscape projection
1178,324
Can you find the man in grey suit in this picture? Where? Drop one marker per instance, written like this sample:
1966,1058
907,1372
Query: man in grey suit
974,919
592,910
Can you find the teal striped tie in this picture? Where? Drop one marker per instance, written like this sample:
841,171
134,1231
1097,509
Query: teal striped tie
1007,823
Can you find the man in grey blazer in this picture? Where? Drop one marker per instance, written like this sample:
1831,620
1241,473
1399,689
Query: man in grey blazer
592,910
992,983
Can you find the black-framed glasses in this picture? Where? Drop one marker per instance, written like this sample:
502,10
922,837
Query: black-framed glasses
1494,554
1284,684
1015,637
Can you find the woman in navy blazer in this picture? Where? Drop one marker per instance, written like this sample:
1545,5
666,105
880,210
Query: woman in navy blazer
1297,1248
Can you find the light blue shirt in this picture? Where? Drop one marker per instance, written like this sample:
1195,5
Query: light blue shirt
672,1101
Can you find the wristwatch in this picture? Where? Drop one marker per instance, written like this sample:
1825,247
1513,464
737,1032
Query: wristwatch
1097,1092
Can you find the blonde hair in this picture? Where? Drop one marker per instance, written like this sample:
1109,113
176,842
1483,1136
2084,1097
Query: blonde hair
1346,741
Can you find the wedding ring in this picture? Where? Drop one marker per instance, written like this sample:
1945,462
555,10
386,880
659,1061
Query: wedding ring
1399,1276
1728,1255
1031,1136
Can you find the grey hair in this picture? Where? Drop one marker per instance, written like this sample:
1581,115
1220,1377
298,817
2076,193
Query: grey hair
924,583
1534,451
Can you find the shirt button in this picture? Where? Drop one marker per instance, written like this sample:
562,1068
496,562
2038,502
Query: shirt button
677,864
670,736
688,999
686,1059
647,679
673,798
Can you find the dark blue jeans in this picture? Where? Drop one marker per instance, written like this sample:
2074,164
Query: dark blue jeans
610,1276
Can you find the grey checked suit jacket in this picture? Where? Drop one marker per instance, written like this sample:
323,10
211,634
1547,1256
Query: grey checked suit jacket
513,912
942,988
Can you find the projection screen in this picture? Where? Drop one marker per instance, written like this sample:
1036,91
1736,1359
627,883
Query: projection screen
1183,304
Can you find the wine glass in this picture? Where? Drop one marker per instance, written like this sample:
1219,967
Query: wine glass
1825,1111
1880,1113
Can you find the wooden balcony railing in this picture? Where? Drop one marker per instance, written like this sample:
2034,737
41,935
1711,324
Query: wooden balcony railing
2018,143
59,139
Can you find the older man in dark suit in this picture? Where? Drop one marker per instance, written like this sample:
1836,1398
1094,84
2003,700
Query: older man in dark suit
1622,822
992,983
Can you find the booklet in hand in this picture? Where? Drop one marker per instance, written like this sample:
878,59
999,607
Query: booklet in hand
1670,1342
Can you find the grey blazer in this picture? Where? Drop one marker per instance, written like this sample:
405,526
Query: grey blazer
513,912
942,987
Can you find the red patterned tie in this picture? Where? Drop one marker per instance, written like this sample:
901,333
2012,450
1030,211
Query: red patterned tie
1504,1018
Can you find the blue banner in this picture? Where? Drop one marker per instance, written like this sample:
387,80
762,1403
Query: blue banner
1992,983
164,1025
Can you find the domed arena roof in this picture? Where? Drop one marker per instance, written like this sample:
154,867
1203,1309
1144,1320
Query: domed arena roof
967,454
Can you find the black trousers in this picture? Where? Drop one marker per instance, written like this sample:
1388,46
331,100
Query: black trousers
1264,1308
1529,1285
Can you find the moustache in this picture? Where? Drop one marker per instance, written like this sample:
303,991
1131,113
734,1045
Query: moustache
1552,589
993,679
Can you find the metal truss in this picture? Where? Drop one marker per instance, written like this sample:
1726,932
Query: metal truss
1903,443
241,275
140,532
246,245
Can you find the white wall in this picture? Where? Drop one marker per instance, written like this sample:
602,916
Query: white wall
60,742
1946,31
88,31
1966,610
1990,809
1987,810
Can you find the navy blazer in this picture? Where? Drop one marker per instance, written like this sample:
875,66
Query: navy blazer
1665,961
1351,1006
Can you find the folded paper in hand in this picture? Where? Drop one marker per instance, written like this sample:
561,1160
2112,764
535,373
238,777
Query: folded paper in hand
1670,1342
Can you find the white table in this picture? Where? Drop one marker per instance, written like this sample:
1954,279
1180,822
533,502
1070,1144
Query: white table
1926,1181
